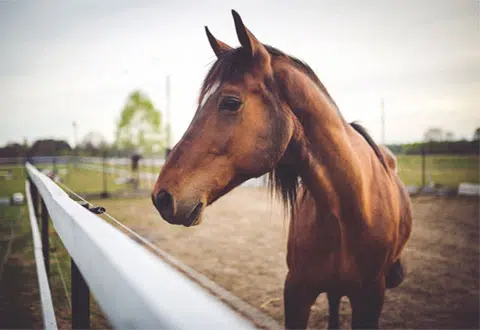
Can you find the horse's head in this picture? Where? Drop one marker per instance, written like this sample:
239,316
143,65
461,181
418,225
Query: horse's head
240,130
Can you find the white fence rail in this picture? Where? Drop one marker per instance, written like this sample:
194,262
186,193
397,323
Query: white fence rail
133,287
48,314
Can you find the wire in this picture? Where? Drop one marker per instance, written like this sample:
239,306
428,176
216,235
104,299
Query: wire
62,278
9,244
237,304
142,239
138,236
128,229
73,193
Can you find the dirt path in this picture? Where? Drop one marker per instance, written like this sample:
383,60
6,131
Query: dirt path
241,246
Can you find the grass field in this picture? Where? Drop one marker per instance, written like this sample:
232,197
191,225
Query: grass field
15,184
446,170
19,297
82,180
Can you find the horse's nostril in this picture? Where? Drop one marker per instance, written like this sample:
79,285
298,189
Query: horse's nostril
164,203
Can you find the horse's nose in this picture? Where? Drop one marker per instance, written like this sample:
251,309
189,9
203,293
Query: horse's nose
164,204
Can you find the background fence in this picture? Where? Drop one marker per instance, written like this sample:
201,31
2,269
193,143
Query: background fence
103,176
95,177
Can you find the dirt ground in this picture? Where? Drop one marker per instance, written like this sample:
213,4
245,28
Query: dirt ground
241,245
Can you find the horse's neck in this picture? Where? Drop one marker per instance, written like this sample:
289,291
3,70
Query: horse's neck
331,171
329,167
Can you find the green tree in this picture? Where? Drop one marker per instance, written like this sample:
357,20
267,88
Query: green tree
139,128
476,134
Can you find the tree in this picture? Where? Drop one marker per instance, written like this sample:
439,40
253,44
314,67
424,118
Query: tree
50,147
139,128
476,134
13,149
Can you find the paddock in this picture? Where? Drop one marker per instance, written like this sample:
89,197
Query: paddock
241,246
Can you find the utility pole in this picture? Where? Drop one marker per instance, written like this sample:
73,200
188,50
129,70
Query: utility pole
74,124
75,148
382,109
167,115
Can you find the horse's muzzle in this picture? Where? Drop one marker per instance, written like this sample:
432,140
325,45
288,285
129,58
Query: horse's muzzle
187,213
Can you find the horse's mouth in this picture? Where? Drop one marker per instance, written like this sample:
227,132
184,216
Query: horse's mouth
195,216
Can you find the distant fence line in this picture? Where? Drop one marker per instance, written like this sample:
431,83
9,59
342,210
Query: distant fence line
156,161
96,164
134,288
425,175
120,172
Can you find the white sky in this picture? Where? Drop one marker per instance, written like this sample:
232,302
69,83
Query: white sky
62,61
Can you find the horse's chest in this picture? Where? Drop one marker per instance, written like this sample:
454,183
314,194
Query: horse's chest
328,252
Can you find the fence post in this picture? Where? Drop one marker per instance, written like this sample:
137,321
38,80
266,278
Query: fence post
34,194
54,164
45,238
80,297
423,165
105,176
152,174
80,300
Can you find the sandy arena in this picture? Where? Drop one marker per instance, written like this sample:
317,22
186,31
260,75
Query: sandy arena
241,245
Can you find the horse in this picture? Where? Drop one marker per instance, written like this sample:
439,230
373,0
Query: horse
261,111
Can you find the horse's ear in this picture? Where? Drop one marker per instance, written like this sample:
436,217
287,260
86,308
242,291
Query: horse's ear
246,38
218,47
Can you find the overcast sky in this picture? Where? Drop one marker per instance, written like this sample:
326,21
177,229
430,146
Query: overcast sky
65,61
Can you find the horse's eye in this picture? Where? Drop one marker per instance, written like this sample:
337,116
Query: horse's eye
230,103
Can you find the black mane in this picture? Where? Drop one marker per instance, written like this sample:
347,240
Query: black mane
363,132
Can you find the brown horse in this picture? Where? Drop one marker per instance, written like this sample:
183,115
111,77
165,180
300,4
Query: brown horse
262,111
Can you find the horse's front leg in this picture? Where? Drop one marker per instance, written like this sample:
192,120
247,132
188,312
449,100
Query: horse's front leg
367,305
298,299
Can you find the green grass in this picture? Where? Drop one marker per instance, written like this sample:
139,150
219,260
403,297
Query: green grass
82,180
448,170
19,286
60,267
142,168
19,297
90,181
15,184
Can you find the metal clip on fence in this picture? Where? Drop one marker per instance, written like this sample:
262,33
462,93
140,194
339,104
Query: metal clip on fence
93,209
